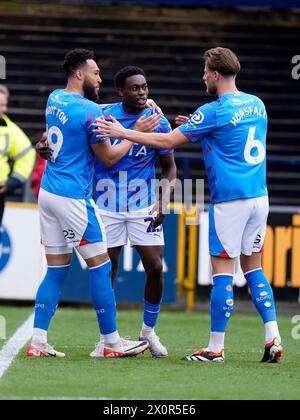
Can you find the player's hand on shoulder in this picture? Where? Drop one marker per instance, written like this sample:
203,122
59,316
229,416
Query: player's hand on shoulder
181,119
105,128
97,124
154,107
42,149
148,125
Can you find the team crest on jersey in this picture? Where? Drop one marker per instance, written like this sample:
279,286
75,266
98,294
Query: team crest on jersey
197,118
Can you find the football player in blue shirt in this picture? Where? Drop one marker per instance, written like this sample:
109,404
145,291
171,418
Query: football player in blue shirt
125,196
68,215
232,131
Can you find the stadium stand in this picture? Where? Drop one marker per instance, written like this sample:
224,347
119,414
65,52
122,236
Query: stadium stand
34,39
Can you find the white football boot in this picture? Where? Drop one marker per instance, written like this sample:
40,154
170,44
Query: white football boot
124,348
155,346
99,351
43,350
273,352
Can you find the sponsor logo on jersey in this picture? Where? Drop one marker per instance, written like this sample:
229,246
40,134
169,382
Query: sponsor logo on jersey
58,101
261,285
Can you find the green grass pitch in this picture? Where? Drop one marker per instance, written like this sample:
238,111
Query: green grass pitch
78,376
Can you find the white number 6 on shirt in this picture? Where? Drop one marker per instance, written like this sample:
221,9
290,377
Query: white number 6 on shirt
254,144
55,131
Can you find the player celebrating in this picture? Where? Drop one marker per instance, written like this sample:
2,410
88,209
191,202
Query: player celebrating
232,130
132,219
68,214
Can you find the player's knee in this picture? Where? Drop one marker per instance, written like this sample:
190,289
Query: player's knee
250,262
58,256
114,270
97,261
155,269
97,250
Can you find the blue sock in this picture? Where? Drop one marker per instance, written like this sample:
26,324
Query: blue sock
48,295
103,298
221,306
151,312
262,294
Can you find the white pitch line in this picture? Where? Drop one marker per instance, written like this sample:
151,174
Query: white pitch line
12,348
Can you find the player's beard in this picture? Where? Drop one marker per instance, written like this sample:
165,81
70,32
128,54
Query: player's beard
90,92
212,89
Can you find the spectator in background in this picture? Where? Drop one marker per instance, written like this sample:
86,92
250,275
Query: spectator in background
40,165
17,156
37,175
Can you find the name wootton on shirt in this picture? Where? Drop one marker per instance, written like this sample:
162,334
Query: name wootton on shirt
56,112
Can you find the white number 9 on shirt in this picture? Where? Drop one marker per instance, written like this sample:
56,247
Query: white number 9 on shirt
254,144
55,141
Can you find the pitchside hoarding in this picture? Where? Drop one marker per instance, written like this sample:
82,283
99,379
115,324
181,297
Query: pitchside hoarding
22,261
281,258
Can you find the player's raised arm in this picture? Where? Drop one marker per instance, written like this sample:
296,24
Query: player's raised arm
110,154
157,140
